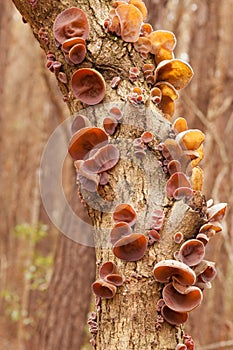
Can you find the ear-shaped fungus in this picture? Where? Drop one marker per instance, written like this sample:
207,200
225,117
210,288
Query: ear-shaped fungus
169,95
174,166
77,53
131,247
107,268
130,22
79,122
110,124
192,252
163,43
177,181
88,180
173,317
85,140
119,230
179,125
175,71
70,23
69,43
88,86
139,4
143,46
125,212
157,218
182,302
103,289
190,139
104,159
216,212
165,269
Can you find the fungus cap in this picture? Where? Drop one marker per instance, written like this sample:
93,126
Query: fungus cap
103,289
172,317
110,124
88,86
165,269
89,181
130,22
107,268
104,159
190,139
79,122
140,6
119,230
69,43
182,302
165,40
85,140
176,181
179,125
70,23
115,279
217,212
131,247
192,252
125,212
77,53
175,71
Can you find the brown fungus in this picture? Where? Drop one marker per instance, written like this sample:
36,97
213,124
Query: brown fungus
173,317
116,113
147,137
179,125
119,230
70,23
77,53
84,140
104,159
79,122
217,212
182,302
110,125
192,252
143,46
103,289
178,237
88,86
166,269
107,268
131,247
190,139
176,181
69,43
130,19
125,212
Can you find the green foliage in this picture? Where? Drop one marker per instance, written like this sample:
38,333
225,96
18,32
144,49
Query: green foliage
33,233
39,271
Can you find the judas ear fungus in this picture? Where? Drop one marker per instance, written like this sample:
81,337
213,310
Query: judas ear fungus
104,159
143,45
107,268
192,252
79,122
174,166
177,180
172,317
69,43
140,6
178,237
197,178
175,71
119,230
116,113
114,279
125,212
103,289
179,125
156,95
147,137
146,29
163,44
89,181
70,23
77,53
166,269
130,22
84,140
131,247
217,212
110,124
181,347
190,139
182,192
88,86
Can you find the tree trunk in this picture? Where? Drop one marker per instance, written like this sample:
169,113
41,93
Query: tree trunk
130,319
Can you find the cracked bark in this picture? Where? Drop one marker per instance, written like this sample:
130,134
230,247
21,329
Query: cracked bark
129,320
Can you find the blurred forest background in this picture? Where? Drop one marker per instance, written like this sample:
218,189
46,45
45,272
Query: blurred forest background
45,291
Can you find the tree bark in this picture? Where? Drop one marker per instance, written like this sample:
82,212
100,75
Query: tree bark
129,320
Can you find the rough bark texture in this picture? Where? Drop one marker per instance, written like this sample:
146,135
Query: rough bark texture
129,320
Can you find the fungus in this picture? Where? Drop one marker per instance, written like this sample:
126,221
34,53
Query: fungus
62,77
125,212
190,139
163,43
116,113
85,140
104,178
171,149
166,269
88,180
103,289
70,23
110,124
178,237
156,95
197,178
179,125
88,86
174,166
114,279
131,247
182,192
169,95
157,217
192,252
107,268
69,43
79,122
176,181
186,302
146,29
130,22
181,347
143,46
154,236
175,71
172,317
216,212
104,159
211,226
77,53
203,238
140,153
147,137
119,230
133,73
140,6
115,82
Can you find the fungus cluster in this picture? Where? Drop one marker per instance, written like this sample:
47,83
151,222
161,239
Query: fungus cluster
106,286
111,122
127,246
140,144
92,153
169,74
189,274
